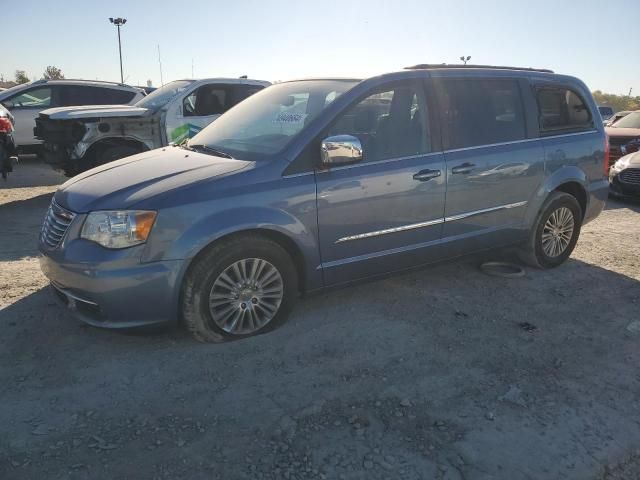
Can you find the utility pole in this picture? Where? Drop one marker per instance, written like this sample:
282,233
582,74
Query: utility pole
630,90
118,22
160,63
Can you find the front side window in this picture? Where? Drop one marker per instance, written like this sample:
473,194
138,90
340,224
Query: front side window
34,98
265,123
205,101
389,124
561,110
479,112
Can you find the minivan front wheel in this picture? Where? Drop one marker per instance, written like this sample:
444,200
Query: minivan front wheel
555,233
238,288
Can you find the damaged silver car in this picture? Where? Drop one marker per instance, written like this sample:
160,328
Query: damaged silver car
77,139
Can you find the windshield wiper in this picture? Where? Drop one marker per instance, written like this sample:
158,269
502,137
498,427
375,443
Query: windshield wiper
207,149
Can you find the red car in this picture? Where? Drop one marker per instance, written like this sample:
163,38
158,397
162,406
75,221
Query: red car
625,131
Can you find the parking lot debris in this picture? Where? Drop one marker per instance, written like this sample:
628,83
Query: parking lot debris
527,327
634,327
503,269
514,395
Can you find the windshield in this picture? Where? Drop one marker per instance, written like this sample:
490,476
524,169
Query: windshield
266,122
629,121
160,97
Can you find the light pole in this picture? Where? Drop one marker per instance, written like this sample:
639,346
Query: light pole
118,22
465,59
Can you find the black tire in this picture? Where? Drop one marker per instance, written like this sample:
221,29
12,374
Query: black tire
532,252
207,267
116,152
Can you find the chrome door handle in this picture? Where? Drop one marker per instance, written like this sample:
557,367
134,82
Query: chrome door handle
424,175
464,168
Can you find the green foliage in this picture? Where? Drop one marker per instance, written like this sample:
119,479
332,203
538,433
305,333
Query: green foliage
21,76
618,102
52,73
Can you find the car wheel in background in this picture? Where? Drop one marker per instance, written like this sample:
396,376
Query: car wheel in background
555,233
238,288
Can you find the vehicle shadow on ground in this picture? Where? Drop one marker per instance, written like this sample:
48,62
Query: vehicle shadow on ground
441,291
21,221
616,203
40,202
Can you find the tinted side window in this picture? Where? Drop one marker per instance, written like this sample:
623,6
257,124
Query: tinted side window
389,124
244,91
561,110
207,100
34,98
74,95
480,111
117,97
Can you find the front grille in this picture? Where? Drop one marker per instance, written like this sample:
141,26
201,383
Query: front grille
55,225
630,175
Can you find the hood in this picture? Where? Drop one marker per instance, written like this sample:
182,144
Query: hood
633,159
622,132
124,183
93,111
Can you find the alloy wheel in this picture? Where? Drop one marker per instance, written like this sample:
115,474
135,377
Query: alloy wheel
557,232
246,296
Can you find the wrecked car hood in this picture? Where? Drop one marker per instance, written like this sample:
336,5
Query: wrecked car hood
95,111
124,183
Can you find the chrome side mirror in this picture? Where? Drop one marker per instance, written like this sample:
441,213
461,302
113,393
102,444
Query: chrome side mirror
340,150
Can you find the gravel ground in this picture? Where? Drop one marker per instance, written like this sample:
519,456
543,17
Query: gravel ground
443,373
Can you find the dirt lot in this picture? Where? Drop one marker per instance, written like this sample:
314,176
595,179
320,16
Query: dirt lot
426,375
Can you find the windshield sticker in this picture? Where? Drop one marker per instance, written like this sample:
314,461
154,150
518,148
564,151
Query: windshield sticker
290,118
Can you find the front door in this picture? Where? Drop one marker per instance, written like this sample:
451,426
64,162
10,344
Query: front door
197,109
492,168
382,213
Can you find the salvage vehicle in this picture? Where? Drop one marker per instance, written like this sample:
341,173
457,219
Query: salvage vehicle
27,100
318,183
624,176
624,131
77,139
7,145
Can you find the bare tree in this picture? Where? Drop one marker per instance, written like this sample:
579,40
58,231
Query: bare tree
53,73
21,76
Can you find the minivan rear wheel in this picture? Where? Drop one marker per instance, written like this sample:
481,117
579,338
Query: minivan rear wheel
555,232
238,288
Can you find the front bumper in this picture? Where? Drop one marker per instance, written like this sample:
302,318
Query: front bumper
620,188
121,293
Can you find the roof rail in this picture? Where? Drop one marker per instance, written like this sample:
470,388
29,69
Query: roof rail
434,66
86,80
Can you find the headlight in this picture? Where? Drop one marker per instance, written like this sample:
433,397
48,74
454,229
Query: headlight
621,163
118,229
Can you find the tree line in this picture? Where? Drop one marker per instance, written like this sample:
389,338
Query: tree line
50,73
618,102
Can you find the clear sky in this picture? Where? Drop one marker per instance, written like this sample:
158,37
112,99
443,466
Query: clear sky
284,39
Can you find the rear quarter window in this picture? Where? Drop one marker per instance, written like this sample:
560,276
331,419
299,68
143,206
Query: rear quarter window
562,110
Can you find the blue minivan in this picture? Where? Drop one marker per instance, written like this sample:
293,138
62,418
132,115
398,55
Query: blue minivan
314,183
